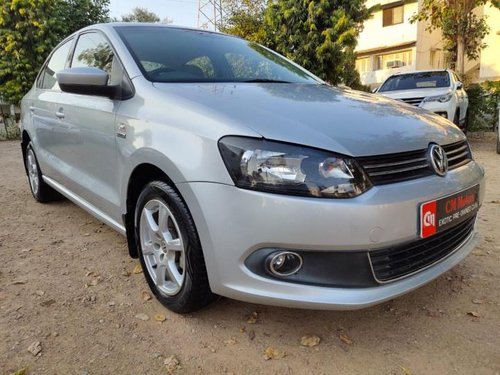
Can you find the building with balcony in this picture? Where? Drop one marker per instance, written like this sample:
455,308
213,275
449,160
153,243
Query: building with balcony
389,43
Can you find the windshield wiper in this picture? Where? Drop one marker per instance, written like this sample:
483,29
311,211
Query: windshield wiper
265,80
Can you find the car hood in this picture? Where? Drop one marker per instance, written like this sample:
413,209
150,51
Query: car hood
344,121
419,93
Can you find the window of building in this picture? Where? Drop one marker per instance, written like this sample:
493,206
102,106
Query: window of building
394,59
363,65
392,16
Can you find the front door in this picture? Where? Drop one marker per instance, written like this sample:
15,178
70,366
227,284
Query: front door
93,159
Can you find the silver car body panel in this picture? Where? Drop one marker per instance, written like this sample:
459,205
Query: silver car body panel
90,153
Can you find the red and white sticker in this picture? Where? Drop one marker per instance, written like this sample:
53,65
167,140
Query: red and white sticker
428,213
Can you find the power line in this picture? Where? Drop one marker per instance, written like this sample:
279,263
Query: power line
210,14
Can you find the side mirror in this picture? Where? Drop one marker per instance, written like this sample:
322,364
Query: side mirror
86,81
459,85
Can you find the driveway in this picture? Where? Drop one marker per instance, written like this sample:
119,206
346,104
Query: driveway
69,291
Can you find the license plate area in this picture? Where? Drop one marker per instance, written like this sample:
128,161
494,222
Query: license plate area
446,212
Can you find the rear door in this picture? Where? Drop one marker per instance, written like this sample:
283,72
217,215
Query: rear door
49,127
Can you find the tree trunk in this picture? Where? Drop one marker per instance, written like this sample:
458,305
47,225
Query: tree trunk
460,64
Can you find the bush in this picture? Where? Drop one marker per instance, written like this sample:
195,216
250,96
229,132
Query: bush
484,99
9,128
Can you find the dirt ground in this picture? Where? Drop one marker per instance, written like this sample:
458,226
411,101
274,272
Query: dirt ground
67,282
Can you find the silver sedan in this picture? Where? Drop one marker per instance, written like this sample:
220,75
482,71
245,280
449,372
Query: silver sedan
233,171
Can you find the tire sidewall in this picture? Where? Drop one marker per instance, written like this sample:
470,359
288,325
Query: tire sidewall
155,191
36,195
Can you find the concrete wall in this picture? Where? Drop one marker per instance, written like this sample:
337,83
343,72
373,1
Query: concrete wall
490,56
375,36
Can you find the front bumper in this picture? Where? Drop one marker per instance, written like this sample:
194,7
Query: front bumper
233,223
446,110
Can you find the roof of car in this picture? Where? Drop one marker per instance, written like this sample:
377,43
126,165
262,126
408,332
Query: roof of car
421,71
145,24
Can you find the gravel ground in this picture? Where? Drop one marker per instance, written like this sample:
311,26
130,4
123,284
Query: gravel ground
68,291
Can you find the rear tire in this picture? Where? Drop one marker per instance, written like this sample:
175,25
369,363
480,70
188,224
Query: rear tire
169,250
42,192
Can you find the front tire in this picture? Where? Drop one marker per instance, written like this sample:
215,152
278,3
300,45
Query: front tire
456,119
169,249
42,192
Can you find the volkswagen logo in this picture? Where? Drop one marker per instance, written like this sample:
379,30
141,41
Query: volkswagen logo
438,159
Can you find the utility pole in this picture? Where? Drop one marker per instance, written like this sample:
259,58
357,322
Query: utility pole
210,14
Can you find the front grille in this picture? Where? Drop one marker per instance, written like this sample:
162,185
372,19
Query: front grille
413,101
403,166
402,260
458,154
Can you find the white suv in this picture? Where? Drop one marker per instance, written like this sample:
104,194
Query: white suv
439,91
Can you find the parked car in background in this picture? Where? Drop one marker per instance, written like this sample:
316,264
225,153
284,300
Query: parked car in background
234,171
439,91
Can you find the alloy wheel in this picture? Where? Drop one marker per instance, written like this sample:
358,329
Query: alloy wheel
162,247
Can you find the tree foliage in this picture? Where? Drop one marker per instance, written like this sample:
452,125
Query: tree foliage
320,35
141,15
76,14
245,18
462,30
30,29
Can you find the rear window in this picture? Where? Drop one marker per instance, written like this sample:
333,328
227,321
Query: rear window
167,54
414,81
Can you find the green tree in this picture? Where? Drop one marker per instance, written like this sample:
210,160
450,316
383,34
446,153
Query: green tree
140,15
319,35
30,29
462,30
77,14
245,18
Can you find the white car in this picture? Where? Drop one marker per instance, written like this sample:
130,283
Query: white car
439,91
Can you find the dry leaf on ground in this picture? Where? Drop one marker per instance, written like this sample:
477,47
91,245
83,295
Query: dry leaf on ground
137,269
310,341
252,318
172,364
345,339
35,348
272,353
160,318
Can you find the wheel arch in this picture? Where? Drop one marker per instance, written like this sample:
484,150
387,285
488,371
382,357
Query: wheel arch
25,141
138,178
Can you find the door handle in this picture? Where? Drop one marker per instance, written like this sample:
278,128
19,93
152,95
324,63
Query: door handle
60,114
32,108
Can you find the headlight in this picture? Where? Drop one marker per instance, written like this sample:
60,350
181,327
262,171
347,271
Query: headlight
282,168
439,98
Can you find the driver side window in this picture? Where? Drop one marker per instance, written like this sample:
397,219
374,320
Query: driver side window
93,50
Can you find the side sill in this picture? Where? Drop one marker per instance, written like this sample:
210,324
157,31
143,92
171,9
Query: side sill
94,211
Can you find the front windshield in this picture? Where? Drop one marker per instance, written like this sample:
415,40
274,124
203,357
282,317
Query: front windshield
424,80
167,54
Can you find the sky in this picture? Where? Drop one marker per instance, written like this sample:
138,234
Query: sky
182,12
